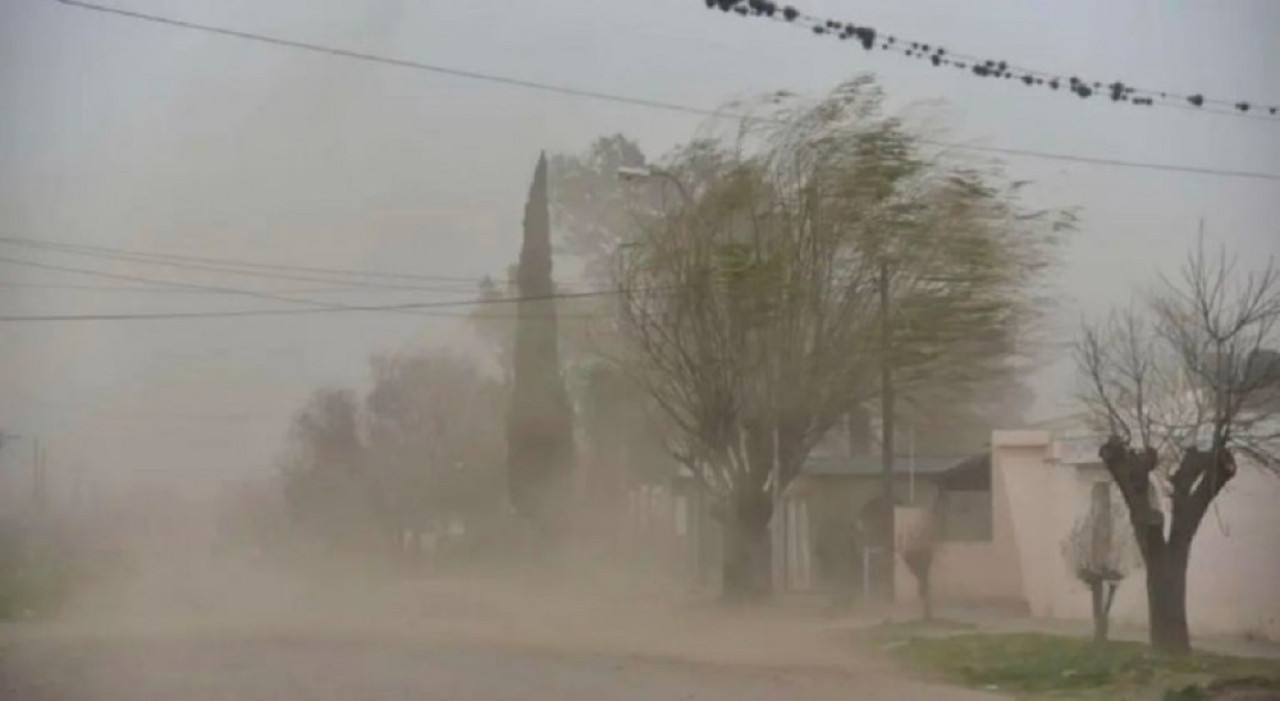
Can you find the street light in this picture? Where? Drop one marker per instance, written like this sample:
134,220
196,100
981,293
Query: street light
644,173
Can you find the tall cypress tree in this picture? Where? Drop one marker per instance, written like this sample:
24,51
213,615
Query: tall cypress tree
540,422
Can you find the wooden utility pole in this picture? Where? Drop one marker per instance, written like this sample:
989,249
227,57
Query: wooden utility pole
886,437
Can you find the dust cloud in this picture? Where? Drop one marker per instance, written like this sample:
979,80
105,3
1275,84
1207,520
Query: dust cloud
181,611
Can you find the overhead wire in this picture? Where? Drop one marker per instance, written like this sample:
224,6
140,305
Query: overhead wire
348,272
231,268
315,306
939,56
25,285
626,99
408,306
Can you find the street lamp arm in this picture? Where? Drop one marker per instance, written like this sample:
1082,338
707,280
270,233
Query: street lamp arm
632,173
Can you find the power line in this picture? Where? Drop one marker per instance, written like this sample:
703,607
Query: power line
229,268
310,311
380,274
629,100
318,305
870,38
169,283
238,266
149,290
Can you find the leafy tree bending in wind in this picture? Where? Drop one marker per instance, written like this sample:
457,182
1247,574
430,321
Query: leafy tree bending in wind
751,307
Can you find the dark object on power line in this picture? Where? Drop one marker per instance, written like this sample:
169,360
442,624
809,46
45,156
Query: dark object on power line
868,37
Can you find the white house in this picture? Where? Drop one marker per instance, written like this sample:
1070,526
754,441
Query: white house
1042,482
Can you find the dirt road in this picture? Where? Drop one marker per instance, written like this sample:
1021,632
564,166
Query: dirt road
281,668
196,634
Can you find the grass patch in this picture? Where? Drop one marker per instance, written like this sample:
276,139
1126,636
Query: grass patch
1033,665
919,626
35,575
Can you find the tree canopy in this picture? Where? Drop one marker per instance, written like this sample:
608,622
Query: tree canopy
753,303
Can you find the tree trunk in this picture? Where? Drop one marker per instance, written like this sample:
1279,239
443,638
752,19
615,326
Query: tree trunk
747,573
926,597
1167,602
1197,480
1101,622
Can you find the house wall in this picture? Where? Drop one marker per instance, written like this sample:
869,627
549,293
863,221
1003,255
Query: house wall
1234,575
975,571
985,571
835,502
1234,579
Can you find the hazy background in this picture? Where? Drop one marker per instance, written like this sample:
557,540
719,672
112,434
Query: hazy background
126,134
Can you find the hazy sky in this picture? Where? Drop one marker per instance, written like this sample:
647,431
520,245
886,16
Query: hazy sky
120,133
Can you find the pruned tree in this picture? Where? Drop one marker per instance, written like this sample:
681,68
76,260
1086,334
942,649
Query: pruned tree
1186,387
918,547
752,307
1100,552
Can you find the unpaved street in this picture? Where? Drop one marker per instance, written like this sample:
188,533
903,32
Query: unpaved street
281,668
192,631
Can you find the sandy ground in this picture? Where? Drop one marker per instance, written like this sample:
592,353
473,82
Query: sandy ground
328,668
194,631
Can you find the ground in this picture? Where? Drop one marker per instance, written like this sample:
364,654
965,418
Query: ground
309,668
188,631
1038,665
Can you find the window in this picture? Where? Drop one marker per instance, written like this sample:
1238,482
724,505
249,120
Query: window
965,516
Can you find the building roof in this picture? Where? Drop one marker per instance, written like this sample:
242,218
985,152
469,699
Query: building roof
952,472
868,465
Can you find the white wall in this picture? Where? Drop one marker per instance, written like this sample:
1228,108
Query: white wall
1234,580
1234,577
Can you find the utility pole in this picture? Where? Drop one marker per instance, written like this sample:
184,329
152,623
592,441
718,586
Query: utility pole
886,436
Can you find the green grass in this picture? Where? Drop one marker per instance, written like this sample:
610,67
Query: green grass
1031,665
889,631
35,577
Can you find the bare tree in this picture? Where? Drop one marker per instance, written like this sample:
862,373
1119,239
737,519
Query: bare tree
752,309
1185,386
1100,551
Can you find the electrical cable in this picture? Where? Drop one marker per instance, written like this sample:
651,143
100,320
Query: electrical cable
939,56
629,100
316,305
